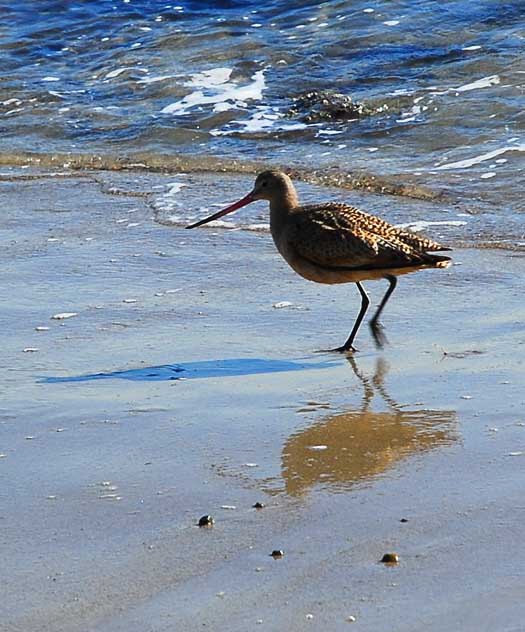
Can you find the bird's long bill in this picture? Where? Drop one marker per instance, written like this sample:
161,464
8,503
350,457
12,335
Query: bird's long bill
245,200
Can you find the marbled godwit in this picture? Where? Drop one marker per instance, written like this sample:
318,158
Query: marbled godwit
337,243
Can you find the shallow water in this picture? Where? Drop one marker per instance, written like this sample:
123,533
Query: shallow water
218,79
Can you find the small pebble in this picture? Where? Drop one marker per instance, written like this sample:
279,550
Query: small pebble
228,507
40,328
390,558
129,300
282,304
30,350
309,616
404,520
258,505
63,315
277,553
350,618
206,521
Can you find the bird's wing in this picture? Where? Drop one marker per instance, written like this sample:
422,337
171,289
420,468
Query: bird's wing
341,235
381,227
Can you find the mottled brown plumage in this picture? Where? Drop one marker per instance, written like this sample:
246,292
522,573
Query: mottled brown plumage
337,243
336,234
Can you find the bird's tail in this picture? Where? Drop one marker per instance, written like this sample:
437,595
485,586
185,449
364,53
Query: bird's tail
438,261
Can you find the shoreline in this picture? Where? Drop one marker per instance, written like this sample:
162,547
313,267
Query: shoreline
169,163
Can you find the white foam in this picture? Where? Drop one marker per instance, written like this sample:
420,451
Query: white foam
262,119
220,223
258,228
50,78
391,22
214,88
471,47
328,132
154,79
116,72
485,82
421,225
463,164
213,77
175,187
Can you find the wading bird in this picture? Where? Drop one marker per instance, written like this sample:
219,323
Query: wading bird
336,243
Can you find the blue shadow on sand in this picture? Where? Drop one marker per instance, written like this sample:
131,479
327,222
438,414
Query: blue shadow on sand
197,370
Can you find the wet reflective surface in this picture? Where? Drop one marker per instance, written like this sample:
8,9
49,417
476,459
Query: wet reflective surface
104,479
341,450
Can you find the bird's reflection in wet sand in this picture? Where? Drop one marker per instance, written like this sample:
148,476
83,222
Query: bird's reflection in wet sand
345,449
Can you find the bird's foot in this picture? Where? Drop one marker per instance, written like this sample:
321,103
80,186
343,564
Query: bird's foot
343,349
378,333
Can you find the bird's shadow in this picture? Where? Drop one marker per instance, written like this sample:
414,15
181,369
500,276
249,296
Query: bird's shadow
233,367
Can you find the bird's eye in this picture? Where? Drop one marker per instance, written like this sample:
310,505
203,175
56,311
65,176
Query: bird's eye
263,184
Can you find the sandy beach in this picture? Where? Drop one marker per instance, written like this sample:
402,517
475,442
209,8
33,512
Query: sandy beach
180,388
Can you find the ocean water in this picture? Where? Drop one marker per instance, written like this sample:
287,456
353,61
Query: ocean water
214,83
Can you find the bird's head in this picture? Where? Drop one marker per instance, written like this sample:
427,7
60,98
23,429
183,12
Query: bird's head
274,186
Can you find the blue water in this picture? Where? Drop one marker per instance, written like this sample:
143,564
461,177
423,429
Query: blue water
445,79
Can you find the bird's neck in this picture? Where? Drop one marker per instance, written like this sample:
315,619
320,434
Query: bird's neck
280,210
285,203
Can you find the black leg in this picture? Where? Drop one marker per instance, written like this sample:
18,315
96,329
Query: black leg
365,302
375,325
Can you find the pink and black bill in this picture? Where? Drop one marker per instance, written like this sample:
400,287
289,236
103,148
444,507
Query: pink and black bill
245,200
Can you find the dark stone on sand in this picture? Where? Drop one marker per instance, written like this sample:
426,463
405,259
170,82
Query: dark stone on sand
277,553
258,505
206,521
390,558
404,520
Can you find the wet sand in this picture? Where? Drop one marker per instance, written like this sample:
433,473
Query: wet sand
179,390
